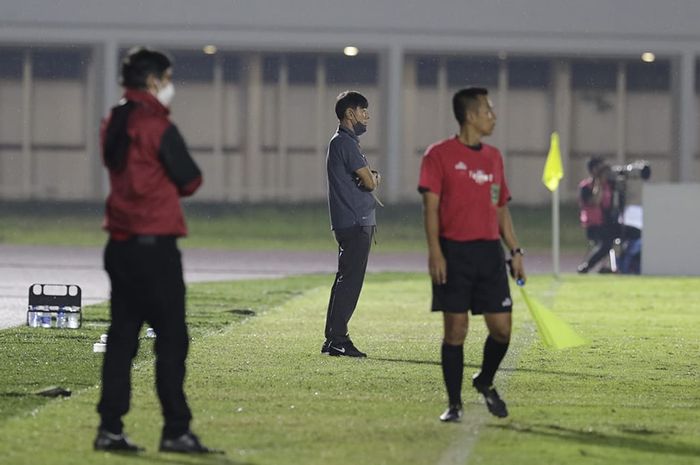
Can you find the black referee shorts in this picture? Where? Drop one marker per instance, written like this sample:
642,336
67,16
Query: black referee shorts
477,279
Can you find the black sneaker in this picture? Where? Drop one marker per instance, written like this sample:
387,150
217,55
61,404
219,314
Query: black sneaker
114,442
452,414
344,349
493,401
324,348
188,443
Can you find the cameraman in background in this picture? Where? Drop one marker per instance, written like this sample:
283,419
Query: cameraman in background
598,216
627,201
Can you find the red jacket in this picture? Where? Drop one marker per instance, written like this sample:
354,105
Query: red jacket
593,214
149,166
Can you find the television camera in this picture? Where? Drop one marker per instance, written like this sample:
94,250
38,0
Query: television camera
638,169
628,234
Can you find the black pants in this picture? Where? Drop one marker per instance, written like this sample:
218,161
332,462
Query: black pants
601,239
147,286
353,250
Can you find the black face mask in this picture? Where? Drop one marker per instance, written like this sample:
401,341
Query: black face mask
359,128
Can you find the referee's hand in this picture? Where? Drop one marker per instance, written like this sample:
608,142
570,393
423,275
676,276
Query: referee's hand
517,269
438,268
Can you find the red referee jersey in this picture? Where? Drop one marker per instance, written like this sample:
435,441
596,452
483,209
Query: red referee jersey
471,184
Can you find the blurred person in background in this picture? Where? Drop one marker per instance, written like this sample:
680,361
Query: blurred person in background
597,214
150,168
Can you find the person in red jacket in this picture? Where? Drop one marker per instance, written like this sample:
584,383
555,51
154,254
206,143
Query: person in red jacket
597,214
465,213
150,168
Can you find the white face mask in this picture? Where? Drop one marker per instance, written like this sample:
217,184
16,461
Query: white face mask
166,94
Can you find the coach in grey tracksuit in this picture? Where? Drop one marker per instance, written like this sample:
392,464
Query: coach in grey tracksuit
351,205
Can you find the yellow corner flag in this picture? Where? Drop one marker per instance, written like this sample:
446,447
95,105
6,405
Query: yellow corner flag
554,332
553,171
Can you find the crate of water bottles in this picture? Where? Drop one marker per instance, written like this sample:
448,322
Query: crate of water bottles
54,306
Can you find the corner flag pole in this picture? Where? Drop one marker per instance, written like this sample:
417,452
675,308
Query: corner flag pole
555,232
551,175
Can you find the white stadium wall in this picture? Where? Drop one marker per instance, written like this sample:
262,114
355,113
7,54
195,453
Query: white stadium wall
260,135
671,222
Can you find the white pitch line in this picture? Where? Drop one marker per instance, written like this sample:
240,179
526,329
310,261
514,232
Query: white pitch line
475,416
460,450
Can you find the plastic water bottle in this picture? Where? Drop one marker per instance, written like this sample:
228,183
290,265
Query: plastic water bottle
62,318
32,317
101,345
45,319
73,317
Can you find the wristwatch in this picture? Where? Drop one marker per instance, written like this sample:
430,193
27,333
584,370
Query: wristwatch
518,251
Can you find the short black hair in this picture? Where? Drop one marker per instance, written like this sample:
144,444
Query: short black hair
139,63
594,162
349,99
466,100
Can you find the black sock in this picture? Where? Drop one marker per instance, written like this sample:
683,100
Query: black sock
452,370
494,352
112,426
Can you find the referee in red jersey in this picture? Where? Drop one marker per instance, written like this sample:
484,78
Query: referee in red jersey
466,215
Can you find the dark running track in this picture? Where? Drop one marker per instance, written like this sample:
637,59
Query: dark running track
21,266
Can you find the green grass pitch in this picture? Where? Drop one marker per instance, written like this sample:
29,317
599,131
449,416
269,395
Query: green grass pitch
260,389
271,227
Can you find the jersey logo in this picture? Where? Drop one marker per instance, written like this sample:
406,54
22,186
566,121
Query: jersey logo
480,177
461,166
